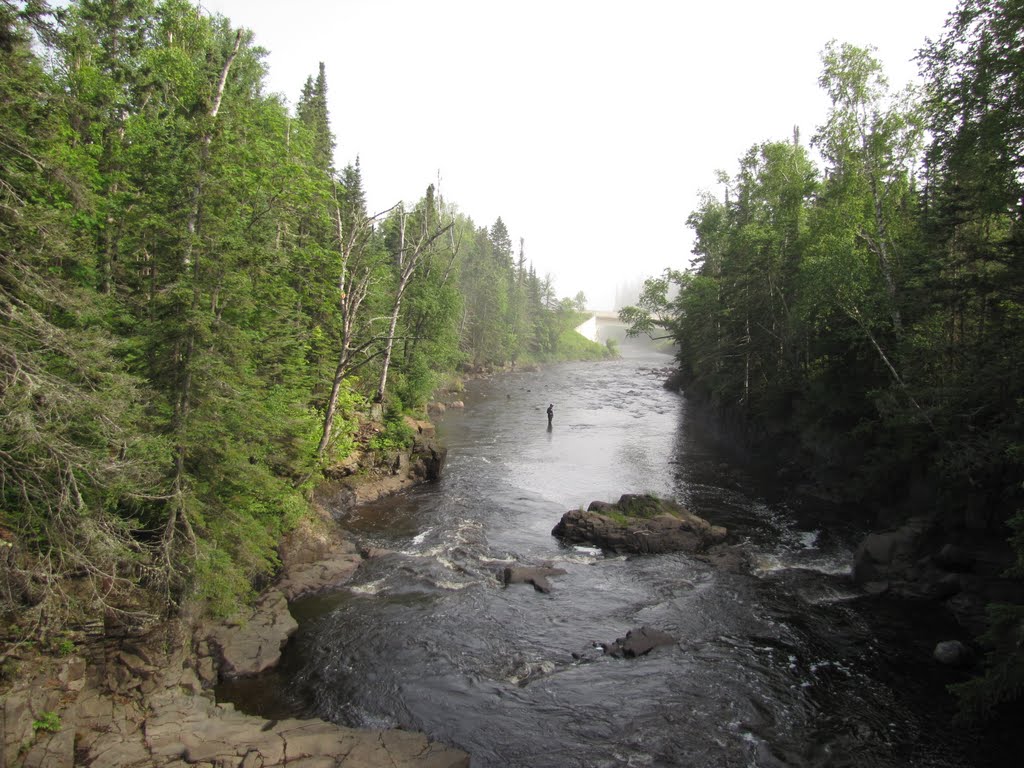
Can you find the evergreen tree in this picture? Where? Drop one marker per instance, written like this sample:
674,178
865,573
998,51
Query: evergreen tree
76,469
312,112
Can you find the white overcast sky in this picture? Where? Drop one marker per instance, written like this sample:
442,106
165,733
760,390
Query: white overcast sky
590,127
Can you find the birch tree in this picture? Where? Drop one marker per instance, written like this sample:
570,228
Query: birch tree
412,245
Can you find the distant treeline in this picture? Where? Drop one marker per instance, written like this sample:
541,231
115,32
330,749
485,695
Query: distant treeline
198,308
869,313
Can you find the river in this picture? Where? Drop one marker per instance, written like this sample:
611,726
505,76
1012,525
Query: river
786,666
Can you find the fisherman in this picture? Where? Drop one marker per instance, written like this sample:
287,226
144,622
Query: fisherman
551,412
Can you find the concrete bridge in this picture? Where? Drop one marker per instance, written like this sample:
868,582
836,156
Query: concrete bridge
603,324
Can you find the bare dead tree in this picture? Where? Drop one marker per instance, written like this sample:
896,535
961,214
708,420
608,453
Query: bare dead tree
355,276
408,257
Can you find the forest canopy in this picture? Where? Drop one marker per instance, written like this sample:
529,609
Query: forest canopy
198,309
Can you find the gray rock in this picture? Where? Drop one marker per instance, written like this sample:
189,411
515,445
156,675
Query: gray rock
252,644
731,558
428,459
639,642
889,555
953,653
308,578
535,575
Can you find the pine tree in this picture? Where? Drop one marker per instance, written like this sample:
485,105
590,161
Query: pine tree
312,112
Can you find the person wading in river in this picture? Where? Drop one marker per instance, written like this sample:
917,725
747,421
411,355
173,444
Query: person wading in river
551,412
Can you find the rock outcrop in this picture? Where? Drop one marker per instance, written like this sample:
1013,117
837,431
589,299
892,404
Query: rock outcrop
345,489
732,558
252,642
316,556
639,524
147,701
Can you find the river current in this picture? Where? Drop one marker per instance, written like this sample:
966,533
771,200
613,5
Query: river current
788,665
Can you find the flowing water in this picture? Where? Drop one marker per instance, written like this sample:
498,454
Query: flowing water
784,666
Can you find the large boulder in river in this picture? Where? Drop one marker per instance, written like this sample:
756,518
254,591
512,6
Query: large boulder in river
885,556
639,524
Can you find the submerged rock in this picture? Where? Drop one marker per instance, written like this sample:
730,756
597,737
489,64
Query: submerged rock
733,558
639,524
639,642
535,575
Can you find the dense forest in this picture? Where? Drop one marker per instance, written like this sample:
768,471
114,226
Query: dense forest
198,310
858,304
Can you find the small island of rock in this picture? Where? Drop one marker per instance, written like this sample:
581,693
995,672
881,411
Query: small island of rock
639,523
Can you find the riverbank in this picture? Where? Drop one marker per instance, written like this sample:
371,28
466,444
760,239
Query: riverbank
148,699
916,544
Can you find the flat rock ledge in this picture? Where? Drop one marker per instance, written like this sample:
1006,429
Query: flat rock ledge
134,704
315,557
640,524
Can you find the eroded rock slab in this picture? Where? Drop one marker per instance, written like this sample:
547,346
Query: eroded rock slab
200,732
253,643
308,578
103,717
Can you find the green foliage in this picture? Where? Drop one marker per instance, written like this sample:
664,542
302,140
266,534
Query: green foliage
655,313
48,722
413,384
65,646
573,346
345,426
396,436
219,584
644,506
639,506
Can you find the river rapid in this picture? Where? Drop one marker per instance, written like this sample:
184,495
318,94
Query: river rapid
788,665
